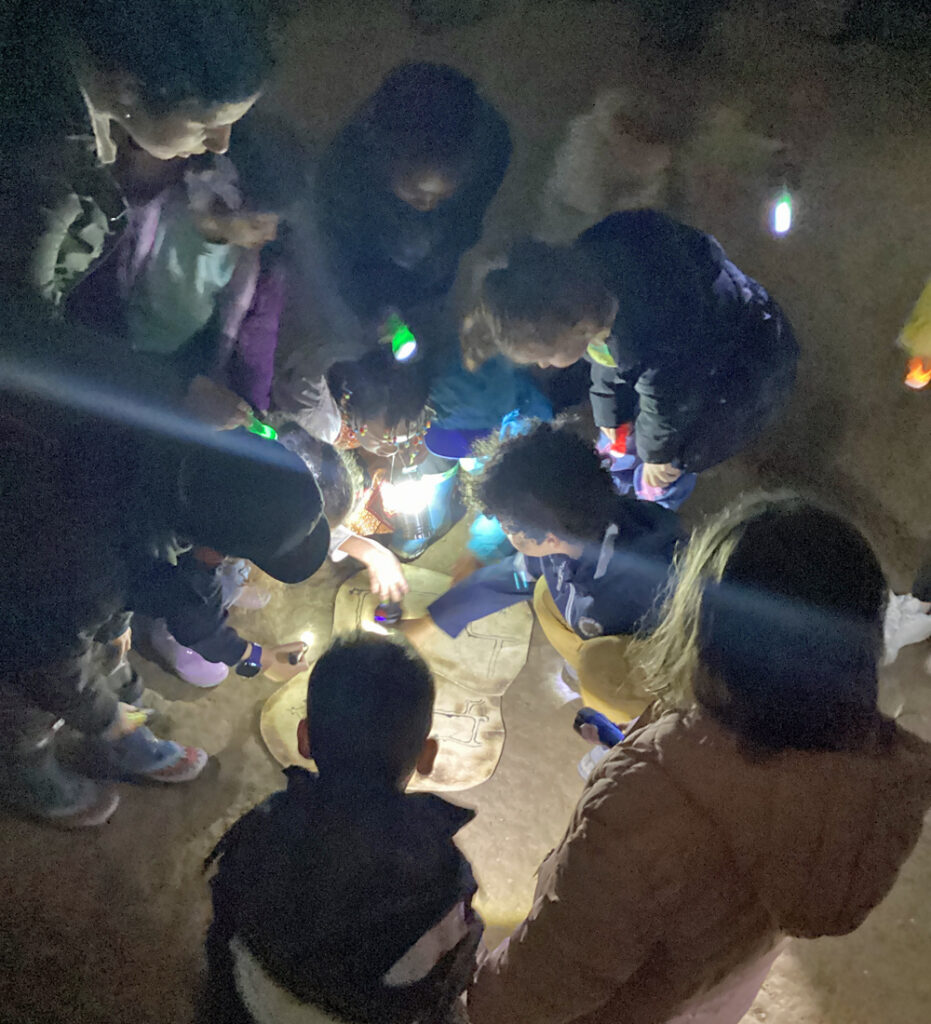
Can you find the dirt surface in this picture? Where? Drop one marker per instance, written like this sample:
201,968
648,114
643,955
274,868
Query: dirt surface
107,926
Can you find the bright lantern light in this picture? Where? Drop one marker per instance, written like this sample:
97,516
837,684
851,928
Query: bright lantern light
408,497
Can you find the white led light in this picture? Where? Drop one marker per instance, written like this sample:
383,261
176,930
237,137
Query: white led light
405,351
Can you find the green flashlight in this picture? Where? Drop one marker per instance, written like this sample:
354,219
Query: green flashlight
402,340
261,429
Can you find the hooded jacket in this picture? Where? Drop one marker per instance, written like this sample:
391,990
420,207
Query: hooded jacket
701,359
687,859
337,901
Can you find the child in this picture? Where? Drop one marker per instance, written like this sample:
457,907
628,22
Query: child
765,797
593,561
402,191
342,893
196,640
201,273
691,358
384,419
341,483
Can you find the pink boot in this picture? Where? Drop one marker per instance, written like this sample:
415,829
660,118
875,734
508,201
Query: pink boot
185,663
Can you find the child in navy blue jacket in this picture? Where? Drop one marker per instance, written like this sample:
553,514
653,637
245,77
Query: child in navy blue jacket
593,561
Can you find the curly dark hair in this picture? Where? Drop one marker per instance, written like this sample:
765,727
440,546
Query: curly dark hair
548,480
378,386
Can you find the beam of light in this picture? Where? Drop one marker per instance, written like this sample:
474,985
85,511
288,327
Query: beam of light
131,408
307,637
373,627
919,373
781,222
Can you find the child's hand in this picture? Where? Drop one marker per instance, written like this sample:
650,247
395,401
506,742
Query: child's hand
128,719
660,475
216,405
122,644
285,661
385,573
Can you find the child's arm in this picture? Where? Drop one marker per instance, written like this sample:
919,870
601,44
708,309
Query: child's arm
385,572
485,591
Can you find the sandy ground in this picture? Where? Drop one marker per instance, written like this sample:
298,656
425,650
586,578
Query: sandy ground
108,926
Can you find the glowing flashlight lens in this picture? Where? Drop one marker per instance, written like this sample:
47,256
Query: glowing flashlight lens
261,429
403,342
782,214
919,374
404,351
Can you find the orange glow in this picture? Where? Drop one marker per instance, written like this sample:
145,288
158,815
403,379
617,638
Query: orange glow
919,373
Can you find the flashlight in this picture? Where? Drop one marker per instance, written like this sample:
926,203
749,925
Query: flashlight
609,735
388,613
401,338
919,373
781,217
261,429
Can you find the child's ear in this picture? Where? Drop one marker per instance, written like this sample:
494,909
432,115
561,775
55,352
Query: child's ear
427,757
303,738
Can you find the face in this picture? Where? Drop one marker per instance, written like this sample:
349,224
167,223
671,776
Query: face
423,188
566,350
248,230
533,548
385,442
185,131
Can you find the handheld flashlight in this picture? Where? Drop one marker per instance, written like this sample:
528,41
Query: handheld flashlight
781,218
261,429
401,338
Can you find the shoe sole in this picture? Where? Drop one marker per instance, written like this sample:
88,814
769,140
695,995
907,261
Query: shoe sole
185,770
99,814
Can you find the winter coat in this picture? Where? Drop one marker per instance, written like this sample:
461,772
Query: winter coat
613,588
688,858
384,253
336,900
701,359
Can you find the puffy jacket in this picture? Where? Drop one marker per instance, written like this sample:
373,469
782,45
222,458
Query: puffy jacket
701,359
686,860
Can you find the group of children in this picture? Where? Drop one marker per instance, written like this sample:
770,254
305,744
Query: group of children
181,283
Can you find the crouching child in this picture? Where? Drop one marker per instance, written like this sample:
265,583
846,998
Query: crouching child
343,898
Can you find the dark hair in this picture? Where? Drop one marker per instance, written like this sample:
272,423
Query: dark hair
377,385
423,113
547,480
775,627
370,707
337,475
544,291
271,164
211,51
